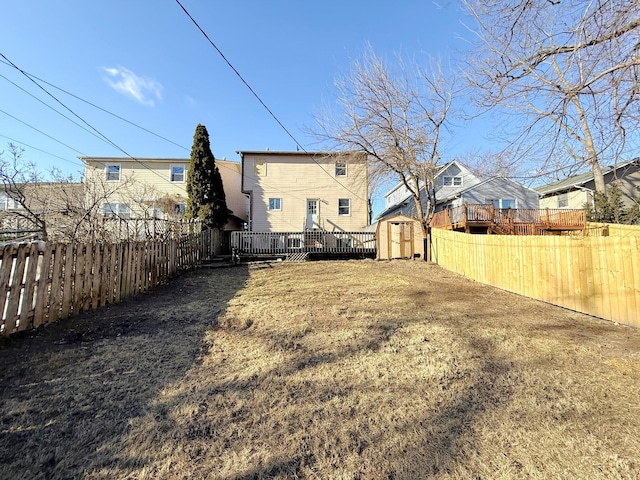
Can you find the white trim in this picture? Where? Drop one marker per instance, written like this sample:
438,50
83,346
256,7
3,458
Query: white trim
348,214
107,173
184,173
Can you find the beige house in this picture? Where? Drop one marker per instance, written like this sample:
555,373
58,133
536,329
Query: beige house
300,191
577,191
155,187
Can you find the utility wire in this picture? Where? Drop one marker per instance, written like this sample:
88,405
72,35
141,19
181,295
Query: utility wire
262,102
40,150
45,134
99,108
50,107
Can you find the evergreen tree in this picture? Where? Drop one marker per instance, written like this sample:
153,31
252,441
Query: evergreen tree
206,199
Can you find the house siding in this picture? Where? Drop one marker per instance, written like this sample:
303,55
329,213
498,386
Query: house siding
294,179
500,188
150,179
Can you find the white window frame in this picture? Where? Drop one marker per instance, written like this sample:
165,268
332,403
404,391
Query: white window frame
4,201
347,206
107,173
120,210
563,200
172,175
452,181
341,168
276,201
492,201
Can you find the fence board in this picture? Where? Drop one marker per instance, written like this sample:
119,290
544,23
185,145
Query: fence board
15,288
70,251
27,306
44,283
56,295
41,285
595,275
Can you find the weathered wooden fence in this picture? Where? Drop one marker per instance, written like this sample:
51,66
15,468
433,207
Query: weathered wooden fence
44,282
597,275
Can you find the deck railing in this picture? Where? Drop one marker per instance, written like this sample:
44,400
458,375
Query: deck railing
310,241
510,220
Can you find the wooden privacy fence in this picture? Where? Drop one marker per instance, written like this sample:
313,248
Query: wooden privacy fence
597,275
44,282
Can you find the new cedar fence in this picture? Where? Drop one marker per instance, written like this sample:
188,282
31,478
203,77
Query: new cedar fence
597,275
44,282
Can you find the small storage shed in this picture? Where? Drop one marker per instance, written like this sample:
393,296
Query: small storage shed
399,236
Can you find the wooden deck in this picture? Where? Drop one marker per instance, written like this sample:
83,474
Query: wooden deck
523,221
301,244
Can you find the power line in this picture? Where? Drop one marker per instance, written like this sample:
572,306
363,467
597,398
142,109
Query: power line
262,102
41,132
50,107
40,150
84,121
99,108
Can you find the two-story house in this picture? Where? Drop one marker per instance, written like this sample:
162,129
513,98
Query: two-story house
155,187
298,191
456,185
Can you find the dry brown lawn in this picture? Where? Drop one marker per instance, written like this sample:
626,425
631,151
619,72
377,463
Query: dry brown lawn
346,370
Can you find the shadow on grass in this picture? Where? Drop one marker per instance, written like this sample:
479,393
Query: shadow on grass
70,391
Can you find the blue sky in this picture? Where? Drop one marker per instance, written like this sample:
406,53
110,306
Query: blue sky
145,61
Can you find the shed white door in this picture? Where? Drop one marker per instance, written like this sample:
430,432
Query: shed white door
313,207
401,239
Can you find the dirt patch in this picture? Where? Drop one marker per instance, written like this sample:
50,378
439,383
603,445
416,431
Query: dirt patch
322,370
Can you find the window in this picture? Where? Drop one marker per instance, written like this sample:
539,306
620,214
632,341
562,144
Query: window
113,172
341,168
563,200
293,242
4,202
344,206
121,210
181,208
275,204
502,203
452,181
260,168
177,173
344,242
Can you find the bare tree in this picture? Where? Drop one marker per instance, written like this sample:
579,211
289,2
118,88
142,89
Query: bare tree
397,118
571,66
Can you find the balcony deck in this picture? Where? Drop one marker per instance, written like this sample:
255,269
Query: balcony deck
318,243
525,221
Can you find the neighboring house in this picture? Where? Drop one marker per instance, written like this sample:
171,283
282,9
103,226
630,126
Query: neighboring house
577,191
456,185
155,187
298,191
54,204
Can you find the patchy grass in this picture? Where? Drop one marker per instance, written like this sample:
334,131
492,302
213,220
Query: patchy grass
354,370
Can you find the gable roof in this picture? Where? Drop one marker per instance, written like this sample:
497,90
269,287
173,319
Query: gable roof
580,180
440,170
482,183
